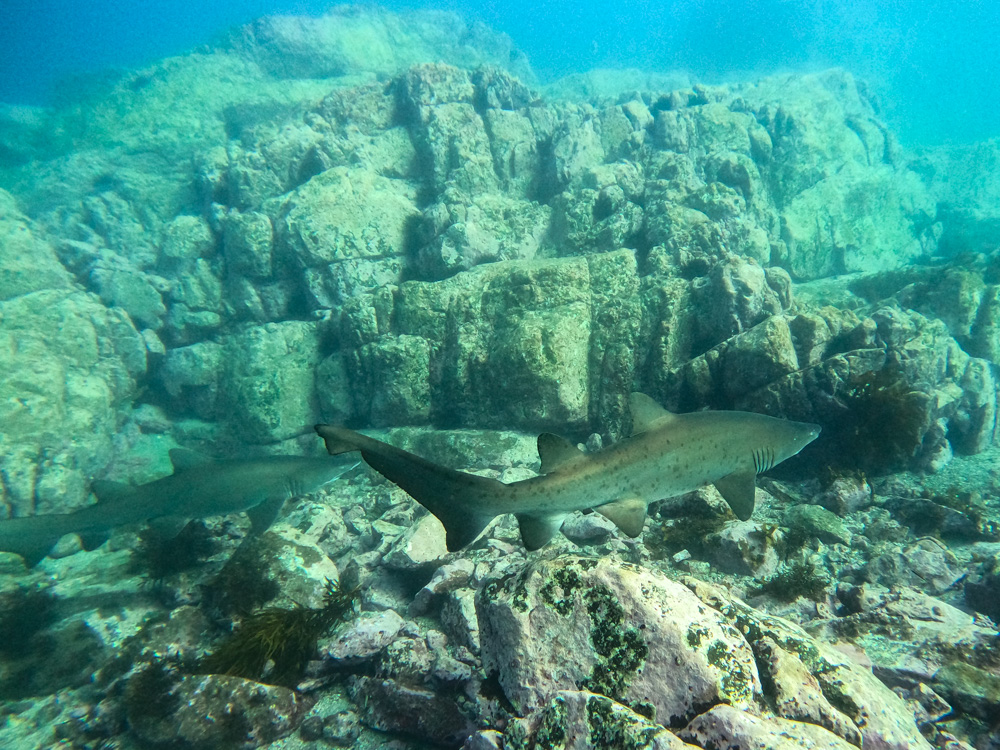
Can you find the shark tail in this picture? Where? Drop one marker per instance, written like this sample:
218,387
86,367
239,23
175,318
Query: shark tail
454,497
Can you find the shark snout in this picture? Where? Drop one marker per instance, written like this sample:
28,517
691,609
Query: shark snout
806,433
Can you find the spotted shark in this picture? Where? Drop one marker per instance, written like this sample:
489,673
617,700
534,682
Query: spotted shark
197,488
666,455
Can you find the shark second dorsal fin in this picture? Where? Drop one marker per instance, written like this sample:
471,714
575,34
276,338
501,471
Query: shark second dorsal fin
738,489
555,452
184,459
628,515
536,531
646,413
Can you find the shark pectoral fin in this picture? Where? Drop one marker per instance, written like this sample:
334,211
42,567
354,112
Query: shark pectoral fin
738,489
263,514
555,452
629,515
91,540
183,459
536,531
646,413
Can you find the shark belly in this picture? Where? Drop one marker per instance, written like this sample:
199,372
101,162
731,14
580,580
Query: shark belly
647,470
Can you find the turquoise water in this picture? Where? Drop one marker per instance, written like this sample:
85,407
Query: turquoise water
934,65
662,345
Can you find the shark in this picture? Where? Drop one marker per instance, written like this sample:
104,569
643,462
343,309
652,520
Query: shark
666,455
198,487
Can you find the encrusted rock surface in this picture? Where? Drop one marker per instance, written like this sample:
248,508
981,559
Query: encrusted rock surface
211,711
583,623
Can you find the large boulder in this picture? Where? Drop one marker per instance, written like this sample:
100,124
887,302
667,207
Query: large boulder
354,41
543,344
68,374
847,199
850,701
259,382
716,671
346,229
29,263
621,631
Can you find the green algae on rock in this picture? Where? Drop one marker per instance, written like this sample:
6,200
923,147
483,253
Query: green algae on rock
607,621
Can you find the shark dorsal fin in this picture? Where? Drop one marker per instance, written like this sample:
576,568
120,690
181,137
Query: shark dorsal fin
556,452
184,459
629,515
739,490
646,413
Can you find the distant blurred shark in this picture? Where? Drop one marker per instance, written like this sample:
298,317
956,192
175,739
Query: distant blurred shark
198,487
666,455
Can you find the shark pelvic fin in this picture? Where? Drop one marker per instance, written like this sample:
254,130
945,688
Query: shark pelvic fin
184,459
646,413
91,540
629,515
167,527
738,489
536,531
263,514
34,553
556,452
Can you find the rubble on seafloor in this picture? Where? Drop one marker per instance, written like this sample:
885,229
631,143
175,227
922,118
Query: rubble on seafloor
585,644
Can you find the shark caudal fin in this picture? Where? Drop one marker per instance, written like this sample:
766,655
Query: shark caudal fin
454,497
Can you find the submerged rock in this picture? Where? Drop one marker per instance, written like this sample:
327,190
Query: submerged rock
609,621
880,715
580,720
210,712
926,564
669,653
744,548
726,726
363,639
817,521
68,374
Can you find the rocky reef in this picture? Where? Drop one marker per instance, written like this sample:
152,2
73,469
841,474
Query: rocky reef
385,221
